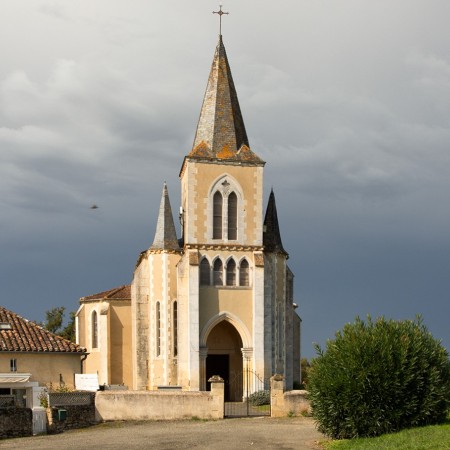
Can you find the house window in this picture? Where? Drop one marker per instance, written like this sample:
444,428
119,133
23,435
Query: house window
158,329
175,328
13,365
218,272
232,217
231,273
217,215
205,273
244,278
94,324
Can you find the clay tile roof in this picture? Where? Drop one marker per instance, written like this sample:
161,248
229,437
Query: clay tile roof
118,293
26,336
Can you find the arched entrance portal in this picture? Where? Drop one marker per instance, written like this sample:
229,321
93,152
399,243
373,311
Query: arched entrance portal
225,359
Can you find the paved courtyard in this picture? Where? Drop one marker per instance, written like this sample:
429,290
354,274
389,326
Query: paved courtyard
255,432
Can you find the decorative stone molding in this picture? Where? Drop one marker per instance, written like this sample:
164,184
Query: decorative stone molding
247,353
259,259
229,247
216,379
194,258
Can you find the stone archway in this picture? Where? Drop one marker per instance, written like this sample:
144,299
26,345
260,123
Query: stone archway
224,358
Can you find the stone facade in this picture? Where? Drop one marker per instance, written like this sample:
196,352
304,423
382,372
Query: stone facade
220,298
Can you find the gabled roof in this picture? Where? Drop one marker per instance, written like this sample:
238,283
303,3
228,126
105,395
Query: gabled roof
118,293
165,235
272,236
26,336
221,131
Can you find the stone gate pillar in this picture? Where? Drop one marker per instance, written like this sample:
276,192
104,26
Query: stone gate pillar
218,394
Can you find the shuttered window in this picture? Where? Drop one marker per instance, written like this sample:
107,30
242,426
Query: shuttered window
232,217
231,273
175,328
94,324
217,215
244,275
158,329
218,273
205,273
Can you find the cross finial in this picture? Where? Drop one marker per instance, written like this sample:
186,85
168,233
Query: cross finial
221,13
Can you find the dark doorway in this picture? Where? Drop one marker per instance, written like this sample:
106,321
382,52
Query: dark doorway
218,365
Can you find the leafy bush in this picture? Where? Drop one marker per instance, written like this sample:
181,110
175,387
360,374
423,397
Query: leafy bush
260,398
379,377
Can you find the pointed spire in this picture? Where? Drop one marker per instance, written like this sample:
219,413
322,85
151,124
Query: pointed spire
221,131
272,236
165,235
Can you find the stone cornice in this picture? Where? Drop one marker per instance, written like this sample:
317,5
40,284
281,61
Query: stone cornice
221,247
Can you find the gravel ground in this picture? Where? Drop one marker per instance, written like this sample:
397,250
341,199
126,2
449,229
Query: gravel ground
257,432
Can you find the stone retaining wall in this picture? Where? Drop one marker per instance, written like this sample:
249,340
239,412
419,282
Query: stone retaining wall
160,405
77,416
290,403
16,422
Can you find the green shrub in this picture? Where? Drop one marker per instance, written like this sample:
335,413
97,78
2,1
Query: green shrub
379,377
260,398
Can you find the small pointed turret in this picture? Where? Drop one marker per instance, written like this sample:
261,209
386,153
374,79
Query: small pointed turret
165,235
221,131
272,236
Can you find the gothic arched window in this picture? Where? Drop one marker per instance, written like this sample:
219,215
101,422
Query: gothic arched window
244,273
218,272
94,325
217,215
205,273
158,329
231,273
175,328
232,217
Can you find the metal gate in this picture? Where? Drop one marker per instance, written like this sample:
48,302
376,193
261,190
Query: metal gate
253,395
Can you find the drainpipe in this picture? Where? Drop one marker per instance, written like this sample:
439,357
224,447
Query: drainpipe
82,361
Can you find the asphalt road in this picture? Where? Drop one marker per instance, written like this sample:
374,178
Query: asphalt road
255,433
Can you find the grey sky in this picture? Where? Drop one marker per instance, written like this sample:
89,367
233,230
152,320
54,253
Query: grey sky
348,102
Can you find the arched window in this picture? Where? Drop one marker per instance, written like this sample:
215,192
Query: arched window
175,328
232,217
218,272
158,329
94,325
244,273
217,215
231,273
205,273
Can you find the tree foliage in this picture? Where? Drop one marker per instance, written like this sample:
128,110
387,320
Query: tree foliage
54,319
379,377
305,366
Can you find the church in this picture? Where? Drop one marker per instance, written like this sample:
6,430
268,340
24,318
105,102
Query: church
215,300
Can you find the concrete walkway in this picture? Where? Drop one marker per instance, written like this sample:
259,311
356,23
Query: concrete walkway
256,433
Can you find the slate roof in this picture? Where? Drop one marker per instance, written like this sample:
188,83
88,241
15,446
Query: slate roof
118,293
165,235
26,336
272,236
221,131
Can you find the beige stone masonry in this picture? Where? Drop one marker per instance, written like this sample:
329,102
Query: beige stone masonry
290,403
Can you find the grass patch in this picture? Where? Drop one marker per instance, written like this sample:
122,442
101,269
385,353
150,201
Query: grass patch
432,437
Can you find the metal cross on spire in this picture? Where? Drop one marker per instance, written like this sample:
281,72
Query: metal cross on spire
221,13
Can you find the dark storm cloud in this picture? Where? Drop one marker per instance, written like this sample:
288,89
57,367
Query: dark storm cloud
349,104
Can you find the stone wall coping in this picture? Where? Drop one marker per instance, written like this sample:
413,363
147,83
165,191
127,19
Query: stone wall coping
164,392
